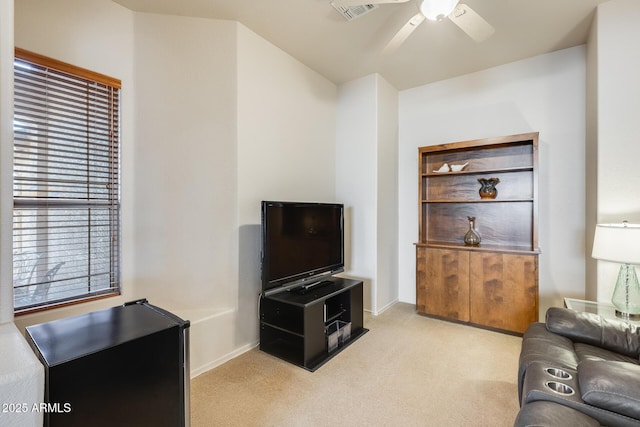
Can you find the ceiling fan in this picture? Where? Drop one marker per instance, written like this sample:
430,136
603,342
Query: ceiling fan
436,10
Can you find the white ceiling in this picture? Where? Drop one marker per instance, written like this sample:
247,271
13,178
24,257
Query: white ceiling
314,33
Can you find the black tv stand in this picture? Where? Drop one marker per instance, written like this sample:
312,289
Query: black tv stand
293,324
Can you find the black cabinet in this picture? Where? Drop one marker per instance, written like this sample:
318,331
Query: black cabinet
293,324
124,366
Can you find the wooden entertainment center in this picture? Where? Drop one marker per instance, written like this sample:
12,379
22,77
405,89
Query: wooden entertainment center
293,324
494,284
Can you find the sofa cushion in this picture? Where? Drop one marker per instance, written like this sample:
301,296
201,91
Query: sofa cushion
589,328
539,345
592,352
550,414
614,386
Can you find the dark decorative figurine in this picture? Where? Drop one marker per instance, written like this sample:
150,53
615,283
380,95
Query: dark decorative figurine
488,187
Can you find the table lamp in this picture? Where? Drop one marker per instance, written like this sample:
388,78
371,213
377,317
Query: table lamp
621,243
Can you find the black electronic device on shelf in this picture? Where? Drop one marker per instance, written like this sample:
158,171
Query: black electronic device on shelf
302,243
307,315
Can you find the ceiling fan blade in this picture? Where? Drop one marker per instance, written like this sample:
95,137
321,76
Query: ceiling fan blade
335,3
471,23
403,33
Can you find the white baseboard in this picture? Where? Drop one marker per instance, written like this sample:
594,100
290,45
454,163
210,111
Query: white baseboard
383,309
219,361
388,306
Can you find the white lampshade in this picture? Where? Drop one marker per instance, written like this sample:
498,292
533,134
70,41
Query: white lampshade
617,243
437,9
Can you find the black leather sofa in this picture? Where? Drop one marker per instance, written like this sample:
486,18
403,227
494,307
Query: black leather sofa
579,369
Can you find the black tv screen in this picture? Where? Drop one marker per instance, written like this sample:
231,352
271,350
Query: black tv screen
300,242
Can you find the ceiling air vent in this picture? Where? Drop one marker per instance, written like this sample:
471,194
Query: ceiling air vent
352,12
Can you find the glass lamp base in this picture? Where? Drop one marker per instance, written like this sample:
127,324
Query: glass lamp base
627,316
626,294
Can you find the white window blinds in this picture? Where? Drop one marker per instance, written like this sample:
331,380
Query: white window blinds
66,215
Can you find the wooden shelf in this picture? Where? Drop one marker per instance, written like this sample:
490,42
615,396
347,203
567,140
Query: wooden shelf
478,201
481,248
480,172
494,284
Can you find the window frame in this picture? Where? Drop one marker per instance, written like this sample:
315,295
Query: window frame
93,199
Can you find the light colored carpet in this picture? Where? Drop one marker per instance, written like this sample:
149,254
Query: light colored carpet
408,370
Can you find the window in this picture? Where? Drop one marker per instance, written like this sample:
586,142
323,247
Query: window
66,201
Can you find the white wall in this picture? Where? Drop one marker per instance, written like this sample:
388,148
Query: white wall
6,160
387,196
286,128
544,94
617,103
185,254
21,374
366,176
286,123
356,179
591,166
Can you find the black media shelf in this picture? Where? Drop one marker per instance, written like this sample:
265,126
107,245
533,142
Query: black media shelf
336,316
293,323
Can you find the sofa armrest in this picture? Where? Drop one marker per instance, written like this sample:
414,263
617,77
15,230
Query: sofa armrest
589,328
614,386
546,413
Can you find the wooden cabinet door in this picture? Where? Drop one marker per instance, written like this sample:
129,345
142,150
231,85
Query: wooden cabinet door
443,283
504,290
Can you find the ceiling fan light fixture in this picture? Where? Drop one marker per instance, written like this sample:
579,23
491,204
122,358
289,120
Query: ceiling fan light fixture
436,10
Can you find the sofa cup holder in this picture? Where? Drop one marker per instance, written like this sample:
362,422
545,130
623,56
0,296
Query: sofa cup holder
558,373
559,388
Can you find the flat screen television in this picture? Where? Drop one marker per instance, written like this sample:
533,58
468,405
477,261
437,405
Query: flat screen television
302,242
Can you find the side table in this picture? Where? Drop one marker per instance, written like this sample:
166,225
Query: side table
604,309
